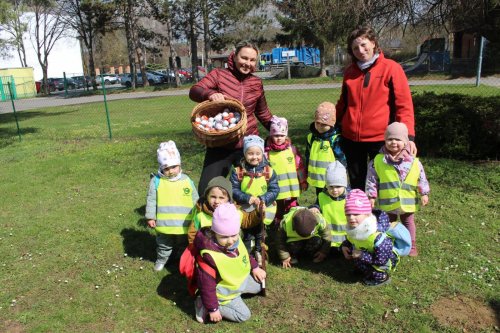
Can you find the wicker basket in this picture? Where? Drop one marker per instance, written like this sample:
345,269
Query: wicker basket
219,138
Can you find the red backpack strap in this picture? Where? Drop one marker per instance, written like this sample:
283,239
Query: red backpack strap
204,266
240,173
267,173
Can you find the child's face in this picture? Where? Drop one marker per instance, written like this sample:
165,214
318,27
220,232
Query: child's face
226,241
216,196
253,156
321,128
355,219
278,139
335,191
171,171
394,145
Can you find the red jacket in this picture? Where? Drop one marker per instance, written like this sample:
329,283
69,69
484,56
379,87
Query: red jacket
374,98
247,89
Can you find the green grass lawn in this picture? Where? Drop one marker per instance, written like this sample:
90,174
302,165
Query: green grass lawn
75,255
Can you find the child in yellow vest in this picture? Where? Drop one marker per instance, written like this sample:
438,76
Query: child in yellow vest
288,165
367,244
395,179
302,232
219,191
323,145
255,189
331,204
169,204
225,270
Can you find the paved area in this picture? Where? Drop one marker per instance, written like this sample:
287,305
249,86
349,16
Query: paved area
59,99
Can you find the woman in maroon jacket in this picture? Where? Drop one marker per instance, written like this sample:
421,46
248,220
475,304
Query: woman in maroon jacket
375,93
237,82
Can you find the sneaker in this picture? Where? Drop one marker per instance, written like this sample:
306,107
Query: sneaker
258,257
159,266
375,283
199,310
294,261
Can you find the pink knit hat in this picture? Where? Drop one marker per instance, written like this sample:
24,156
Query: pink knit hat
279,126
357,203
325,114
226,220
396,131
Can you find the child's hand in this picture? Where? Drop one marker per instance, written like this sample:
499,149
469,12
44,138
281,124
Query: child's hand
254,201
286,263
259,274
303,187
152,223
424,199
319,257
356,254
215,316
372,202
413,148
314,210
346,252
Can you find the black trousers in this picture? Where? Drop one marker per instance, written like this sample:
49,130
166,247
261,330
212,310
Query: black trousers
218,162
358,154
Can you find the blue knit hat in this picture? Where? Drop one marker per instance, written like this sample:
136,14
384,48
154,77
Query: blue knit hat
253,141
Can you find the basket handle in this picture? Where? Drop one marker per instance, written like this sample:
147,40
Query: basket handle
209,101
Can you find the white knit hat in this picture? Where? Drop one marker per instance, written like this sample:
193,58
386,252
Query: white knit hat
336,174
168,155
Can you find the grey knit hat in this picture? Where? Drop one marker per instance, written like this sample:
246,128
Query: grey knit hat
336,174
221,182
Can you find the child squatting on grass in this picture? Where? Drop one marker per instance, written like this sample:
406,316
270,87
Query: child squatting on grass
169,204
366,246
395,179
219,191
228,271
323,145
288,164
331,203
255,188
302,232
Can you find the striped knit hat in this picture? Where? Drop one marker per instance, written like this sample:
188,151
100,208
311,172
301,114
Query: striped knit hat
357,203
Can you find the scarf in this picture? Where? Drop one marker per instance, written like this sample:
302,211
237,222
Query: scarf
367,64
364,229
173,179
274,147
403,156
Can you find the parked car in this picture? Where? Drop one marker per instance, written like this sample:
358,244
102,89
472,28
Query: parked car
52,84
82,81
153,79
108,79
170,74
70,84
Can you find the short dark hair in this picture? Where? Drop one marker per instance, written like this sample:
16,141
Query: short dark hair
245,43
364,32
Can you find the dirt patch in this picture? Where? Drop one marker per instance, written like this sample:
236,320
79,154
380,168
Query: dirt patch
12,327
465,313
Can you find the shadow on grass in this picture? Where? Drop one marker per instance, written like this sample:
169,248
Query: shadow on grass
139,243
173,287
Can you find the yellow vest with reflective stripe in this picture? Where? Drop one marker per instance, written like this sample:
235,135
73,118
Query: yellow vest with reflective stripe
283,163
369,245
291,234
320,155
334,213
174,206
257,188
233,272
203,220
392,193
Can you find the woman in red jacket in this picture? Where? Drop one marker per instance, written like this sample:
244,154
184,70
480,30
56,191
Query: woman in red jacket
375,93
237,82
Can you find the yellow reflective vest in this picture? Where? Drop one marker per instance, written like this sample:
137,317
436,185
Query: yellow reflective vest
291,234
202,219
320,155
174,206
283,163
369,245
392,193
334,213
258,187
233,272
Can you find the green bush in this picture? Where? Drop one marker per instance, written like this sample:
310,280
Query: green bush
457,126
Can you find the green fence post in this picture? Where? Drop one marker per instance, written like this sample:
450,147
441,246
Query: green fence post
2,92
479,62
65,85
14,109
106,105
12,88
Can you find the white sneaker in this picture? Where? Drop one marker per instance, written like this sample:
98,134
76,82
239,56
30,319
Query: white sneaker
199,310
159,267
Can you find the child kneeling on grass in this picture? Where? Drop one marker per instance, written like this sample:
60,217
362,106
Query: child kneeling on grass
169,204
226,270
369,249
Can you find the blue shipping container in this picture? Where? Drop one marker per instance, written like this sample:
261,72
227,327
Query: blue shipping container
306,55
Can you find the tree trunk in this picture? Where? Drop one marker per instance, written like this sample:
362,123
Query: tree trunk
142,66
20,44
322,60
173,53
193,37
130,43
206,38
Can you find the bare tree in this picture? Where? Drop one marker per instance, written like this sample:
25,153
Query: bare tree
11,23
48,28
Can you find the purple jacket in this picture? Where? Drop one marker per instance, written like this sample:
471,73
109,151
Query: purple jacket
206,283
